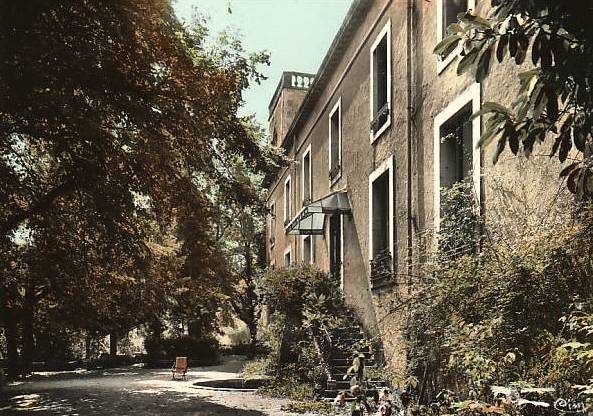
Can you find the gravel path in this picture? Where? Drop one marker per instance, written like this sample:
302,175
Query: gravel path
133,391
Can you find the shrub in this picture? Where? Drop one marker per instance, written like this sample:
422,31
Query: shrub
496,318
201,351
108,361
290,291
302,299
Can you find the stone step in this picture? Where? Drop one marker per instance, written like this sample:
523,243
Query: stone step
341,355
345,341
346,367
347,361
332,393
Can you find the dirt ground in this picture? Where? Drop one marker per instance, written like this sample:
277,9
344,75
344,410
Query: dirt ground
133,391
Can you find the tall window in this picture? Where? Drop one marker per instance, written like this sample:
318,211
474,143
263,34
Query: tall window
456,155
287,257
274,137
381,225
380,214
335,141
306,176
335,248
381,82
272,224
308,249
287,201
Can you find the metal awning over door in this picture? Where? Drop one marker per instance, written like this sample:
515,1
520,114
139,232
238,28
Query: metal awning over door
311,219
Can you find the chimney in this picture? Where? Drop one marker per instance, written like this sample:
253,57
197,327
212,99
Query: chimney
285,103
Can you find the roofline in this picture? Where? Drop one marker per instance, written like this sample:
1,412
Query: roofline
334,53
342,38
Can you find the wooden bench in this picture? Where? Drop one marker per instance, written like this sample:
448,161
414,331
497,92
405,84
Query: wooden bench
180,367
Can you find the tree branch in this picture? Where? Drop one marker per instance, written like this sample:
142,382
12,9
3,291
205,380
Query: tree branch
16,219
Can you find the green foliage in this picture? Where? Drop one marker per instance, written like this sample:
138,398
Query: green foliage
554,103
203,351
460,220
576,356
303,301
301,291
317,407
504,315
289,383
254,369
122,157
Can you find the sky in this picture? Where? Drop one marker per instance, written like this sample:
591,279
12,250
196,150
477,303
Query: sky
296,33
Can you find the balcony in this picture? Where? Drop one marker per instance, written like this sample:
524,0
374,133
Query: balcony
382,271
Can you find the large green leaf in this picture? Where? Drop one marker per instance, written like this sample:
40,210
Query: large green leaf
467,61
484,64
447,45
501,47
500,145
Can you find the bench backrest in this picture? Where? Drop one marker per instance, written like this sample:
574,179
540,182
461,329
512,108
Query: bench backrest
180,363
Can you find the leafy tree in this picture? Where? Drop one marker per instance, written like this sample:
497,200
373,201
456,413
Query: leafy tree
554,103
250,249
118,131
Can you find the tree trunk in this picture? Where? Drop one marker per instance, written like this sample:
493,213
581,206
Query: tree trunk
12,343
28,332
194,329
113,344
156,328
87,345
253,338
252,317
11,334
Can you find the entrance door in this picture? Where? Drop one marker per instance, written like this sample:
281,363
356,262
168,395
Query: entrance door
335,248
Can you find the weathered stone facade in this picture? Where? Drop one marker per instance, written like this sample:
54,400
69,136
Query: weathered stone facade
423,96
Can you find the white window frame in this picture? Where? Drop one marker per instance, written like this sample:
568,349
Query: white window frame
470,95
387,165
336,108
444,63
287,206
287,250
273,219
312,253
386,31
304,197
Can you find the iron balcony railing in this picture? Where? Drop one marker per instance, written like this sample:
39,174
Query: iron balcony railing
382,270
334,172
380,118
335,271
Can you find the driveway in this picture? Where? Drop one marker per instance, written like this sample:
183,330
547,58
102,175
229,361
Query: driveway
134,391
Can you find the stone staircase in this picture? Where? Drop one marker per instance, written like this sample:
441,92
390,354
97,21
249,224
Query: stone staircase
342,343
